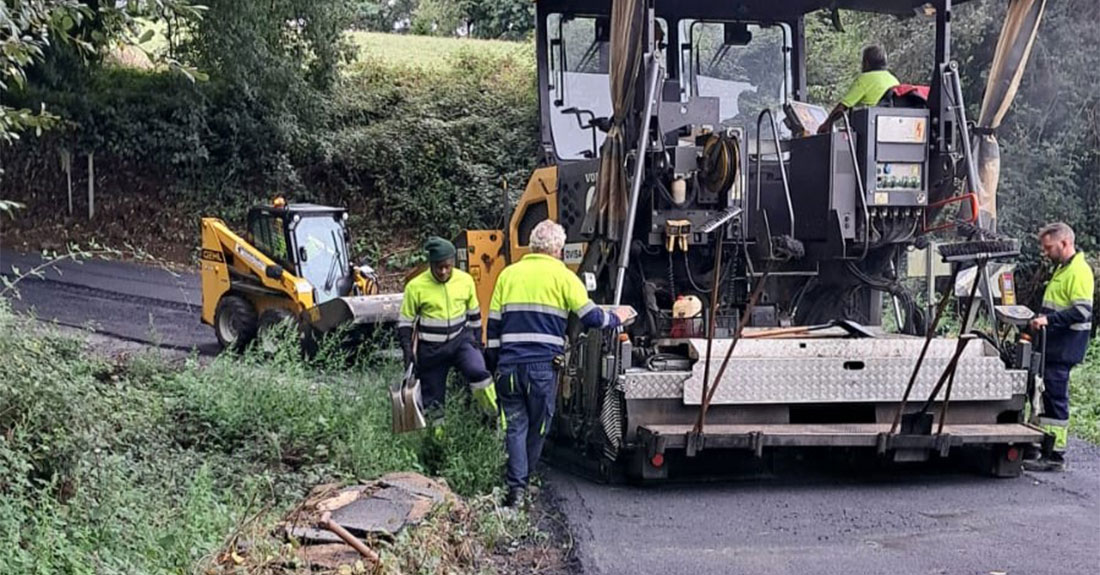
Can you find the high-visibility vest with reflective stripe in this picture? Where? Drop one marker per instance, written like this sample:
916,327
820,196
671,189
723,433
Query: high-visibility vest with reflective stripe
532,300
1067,303
441,311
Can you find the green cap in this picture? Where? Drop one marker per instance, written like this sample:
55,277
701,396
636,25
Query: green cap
439,249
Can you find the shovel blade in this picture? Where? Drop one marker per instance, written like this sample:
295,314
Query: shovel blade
854,329
405,398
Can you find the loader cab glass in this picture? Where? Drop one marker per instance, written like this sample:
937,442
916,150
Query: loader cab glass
745,65
578,90
322,252
268,234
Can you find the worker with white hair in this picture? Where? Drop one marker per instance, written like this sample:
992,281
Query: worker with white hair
528,315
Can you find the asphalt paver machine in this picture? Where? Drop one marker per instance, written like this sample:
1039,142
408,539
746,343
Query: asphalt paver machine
679,154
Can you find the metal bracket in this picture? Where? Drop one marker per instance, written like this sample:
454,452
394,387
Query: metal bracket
694,444
756,440
882,443
943,444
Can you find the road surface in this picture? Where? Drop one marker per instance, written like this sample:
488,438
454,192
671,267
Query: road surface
802,521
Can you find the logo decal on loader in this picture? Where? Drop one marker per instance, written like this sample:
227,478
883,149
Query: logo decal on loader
249,257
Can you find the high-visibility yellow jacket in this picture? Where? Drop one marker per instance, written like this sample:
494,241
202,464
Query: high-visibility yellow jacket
444,313
1067,303
530,309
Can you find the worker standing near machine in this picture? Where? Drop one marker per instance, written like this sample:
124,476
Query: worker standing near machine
528,316
1067,317
441,303
869,87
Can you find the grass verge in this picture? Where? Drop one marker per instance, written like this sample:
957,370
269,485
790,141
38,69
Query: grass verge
1084,396
150,467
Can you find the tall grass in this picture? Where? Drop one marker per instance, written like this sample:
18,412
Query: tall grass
430,52
1084,396
146,467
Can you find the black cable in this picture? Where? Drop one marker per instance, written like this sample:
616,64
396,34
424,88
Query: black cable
691,278
671,278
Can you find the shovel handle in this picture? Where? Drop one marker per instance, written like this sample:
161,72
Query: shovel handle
779,331
355,542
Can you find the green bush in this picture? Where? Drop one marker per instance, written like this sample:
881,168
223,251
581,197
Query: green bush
1084,396
146,467
409,149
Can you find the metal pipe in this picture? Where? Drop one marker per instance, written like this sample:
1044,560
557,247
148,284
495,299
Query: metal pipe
653,72
712,321
742,322
923,352
973,181
859,183
782,168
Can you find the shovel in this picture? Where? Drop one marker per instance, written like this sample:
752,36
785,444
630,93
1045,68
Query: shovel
405,403
854,330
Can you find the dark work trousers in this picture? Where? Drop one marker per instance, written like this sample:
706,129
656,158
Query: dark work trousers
1056,394
526,392
435,363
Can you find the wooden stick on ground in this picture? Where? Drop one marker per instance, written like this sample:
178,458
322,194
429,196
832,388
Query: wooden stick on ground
355,542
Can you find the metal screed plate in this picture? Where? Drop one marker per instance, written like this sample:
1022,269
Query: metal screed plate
831,371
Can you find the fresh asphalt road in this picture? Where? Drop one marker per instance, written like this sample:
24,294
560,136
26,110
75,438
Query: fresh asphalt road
124,300
918,521
800,521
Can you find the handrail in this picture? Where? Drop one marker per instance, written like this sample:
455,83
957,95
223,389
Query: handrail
859,184
653,73
779,158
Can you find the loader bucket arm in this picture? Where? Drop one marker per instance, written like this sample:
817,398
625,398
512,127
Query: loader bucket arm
229,262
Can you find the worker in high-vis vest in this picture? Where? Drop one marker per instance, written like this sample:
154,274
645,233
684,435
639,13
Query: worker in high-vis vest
441,304
868,88
528,315
1067,317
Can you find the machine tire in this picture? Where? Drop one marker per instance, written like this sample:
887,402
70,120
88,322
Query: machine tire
270,319
235,322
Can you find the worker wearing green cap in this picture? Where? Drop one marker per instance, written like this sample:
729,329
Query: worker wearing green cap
441,304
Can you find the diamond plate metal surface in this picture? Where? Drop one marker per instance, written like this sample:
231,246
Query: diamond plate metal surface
654,384
832,371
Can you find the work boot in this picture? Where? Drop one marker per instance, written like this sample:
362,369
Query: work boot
1055,462
515,497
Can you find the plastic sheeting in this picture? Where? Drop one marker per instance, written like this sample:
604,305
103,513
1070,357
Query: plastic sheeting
1009,61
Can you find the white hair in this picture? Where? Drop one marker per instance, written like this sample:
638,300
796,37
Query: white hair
548,238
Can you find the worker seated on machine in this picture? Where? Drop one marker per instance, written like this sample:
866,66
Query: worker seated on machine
867,90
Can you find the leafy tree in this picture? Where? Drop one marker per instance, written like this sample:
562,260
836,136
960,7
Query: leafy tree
385,15
492,19
501,19
27,30
50,41
274,45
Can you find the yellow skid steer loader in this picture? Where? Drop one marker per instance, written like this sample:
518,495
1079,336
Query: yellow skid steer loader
293,264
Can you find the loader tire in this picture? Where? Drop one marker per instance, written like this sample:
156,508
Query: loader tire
273,318
235,322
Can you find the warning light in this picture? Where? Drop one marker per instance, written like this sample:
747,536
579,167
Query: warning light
279,202
1013,454
657,460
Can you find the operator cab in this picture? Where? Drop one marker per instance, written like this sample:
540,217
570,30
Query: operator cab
309,240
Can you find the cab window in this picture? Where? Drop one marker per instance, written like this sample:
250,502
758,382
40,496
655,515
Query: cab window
269,236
